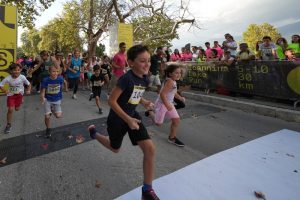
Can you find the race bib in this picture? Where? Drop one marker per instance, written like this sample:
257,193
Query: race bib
46,67
136,95
76,68
14,90
53,89
97,83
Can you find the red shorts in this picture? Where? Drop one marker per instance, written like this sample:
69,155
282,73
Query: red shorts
14,100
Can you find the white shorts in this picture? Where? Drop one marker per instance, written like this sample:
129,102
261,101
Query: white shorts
154,80
54,107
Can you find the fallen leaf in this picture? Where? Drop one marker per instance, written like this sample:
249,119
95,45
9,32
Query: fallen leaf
260,195
79,139
70,136
3,161
38,135
195,116
290,155
97,184
212,116
45,146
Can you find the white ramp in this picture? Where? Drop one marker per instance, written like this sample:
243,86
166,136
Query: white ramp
270,164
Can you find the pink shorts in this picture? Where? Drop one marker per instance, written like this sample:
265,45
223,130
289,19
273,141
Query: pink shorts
161,111
81,76
14,100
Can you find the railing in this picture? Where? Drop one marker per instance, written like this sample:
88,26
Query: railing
276,79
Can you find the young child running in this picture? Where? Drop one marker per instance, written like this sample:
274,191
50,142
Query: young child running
15,92
51,96
123,117
97,81
164,104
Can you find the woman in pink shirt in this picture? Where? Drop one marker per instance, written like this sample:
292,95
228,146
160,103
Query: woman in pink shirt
176,56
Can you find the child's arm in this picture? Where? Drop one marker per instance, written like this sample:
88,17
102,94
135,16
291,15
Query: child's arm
163,94
4,81
181,98
43,99
26,82
147,104
112,101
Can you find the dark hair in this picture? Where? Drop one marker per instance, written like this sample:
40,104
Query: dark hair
121,44
267,37
13,66
296,36
44,52
257,45
170,69
215,52
96,67
135,50
207,43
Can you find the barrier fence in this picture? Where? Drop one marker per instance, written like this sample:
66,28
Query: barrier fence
276,79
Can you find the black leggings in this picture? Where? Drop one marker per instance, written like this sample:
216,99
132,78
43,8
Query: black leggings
73,83
178,104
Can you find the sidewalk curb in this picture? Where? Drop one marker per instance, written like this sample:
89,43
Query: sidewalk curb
281,113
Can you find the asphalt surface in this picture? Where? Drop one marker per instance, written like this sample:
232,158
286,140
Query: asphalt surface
74,167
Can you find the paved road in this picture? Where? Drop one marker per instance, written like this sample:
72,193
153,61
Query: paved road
68,170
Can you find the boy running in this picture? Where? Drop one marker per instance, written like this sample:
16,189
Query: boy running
97,81
123,117
51,96
15,92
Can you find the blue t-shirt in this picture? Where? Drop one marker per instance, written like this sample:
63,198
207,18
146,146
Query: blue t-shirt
75,65
133,88
53,88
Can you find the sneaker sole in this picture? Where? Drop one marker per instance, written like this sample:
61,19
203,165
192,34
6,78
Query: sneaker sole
179,145
90,127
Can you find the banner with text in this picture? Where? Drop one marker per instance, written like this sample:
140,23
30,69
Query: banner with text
278,79
8,38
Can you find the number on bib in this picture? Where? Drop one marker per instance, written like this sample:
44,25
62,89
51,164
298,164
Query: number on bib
136,95
14,89
53,89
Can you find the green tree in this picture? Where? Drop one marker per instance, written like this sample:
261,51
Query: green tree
59,34
256,32
28,10
150,30
30,40
20,52
100,50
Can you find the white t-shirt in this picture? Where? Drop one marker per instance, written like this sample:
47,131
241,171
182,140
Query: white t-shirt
232,44
16,85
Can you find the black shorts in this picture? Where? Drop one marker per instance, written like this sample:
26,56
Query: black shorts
85,76
96,91
117,130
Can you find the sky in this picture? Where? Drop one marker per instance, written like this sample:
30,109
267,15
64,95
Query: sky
217,17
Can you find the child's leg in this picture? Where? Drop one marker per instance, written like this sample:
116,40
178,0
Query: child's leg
9,115
104,140
174,125
97,101
148,149
47,121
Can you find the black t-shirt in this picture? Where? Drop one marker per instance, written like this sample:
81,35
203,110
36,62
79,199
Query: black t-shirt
155,64
96,80
133,88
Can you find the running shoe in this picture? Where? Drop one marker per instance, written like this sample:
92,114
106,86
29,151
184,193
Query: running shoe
149,195
176,142
7,129
100,111
48,133
74,96
91,96
93,131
